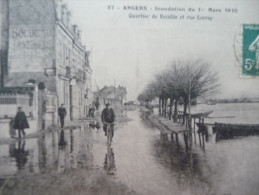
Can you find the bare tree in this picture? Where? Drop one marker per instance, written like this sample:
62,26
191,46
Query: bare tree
193,79
184,79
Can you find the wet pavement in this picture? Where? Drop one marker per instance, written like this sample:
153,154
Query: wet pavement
139,161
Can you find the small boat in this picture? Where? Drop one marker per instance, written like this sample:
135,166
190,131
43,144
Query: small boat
229,129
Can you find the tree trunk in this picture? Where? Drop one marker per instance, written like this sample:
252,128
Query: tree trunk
163,102
160,106
171,105
184,111
165,107
175,111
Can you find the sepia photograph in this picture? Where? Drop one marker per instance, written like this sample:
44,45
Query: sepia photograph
129,97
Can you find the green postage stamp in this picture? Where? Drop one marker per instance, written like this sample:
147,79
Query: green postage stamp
250,62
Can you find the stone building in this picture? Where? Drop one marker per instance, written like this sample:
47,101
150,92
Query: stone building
116,96
39,43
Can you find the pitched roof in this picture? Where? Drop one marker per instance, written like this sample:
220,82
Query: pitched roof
113,92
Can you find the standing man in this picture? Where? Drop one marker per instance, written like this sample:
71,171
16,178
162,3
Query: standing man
62,113
108,116
20,122
90,110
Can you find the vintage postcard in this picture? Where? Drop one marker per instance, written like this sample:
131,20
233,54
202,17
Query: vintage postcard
114,97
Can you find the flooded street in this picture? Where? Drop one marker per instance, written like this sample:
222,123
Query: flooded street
176,80
139,161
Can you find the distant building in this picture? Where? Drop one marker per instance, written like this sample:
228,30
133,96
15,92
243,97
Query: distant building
116,96
38,42
130,103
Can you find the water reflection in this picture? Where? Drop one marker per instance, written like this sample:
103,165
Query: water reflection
203,134
71,140
54,151
219,136
178,157
109,161
187,141
145,120
62,142
42,153
17,150
163,165
97,125
94,124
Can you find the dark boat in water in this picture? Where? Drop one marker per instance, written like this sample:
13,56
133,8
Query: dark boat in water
229,130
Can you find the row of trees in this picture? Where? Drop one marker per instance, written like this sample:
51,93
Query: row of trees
183,80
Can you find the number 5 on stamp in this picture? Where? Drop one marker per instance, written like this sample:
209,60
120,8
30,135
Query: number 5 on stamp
250,62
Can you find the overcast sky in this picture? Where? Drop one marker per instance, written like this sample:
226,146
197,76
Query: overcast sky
129,51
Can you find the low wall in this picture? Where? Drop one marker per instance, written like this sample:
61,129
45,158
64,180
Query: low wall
10,110
6,131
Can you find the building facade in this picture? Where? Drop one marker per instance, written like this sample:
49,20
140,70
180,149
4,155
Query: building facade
116,96
41,44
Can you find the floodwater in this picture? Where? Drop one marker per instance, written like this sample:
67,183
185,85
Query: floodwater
139,159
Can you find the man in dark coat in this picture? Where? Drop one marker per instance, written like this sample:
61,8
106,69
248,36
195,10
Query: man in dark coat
62,113
108,116
90,110
20,122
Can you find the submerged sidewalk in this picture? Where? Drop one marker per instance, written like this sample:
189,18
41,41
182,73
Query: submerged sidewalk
68,125
165,125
